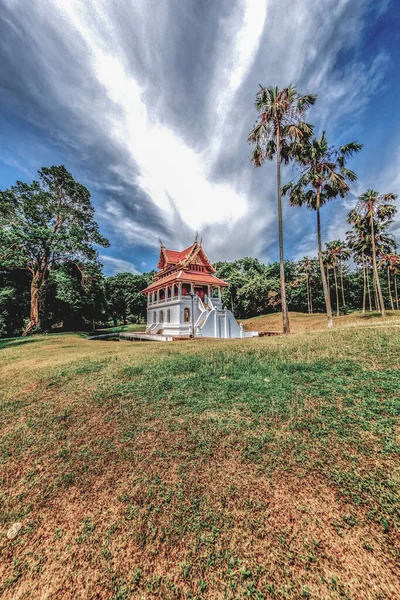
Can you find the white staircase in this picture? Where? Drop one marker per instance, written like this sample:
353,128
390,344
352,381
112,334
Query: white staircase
216,322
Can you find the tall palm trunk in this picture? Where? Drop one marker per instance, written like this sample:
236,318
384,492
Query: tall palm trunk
308,295
285,315
337,291
341,282
375,268
365,285
376,299
390,288
311,306
368,288
321,264
396,295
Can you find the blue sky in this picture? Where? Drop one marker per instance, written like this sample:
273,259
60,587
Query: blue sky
149,103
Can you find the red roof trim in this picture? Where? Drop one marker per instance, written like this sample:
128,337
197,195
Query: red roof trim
186,277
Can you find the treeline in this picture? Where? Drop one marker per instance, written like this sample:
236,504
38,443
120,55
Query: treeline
70,304
255,287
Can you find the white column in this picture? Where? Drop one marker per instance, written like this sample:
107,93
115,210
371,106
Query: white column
179,291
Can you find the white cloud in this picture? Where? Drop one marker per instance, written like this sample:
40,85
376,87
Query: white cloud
117,265
129,232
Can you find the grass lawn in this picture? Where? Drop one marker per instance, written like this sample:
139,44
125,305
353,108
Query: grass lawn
258,468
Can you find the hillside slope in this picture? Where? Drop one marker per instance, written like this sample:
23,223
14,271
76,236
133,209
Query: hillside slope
258,468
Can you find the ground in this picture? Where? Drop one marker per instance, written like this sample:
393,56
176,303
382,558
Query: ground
257,468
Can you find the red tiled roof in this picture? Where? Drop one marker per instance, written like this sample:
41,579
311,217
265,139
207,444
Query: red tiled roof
186,277
174,256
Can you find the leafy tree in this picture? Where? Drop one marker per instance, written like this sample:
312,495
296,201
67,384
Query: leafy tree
124,296
258,295
237,274
323,177
376,208
46,223
14,301
277,131
70,303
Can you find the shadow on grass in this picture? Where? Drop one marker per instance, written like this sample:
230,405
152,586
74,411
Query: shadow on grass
8,342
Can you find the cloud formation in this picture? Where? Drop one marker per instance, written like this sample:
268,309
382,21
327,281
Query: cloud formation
149,103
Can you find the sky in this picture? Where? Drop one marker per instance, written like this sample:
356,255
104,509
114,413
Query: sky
149,104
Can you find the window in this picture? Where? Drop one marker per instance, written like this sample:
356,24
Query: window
161,316
169,315
154,317
186,315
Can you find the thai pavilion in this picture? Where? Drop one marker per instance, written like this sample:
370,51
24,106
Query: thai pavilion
185,299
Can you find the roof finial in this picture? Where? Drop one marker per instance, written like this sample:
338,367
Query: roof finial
161,244
195,239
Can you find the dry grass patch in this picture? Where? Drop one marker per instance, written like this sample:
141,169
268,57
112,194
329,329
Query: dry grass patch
302,322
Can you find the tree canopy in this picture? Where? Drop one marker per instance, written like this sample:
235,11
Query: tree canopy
47,223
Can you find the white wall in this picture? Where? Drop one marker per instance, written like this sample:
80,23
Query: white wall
219,323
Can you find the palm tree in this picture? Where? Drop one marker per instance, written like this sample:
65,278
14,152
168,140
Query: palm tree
376,208
323,177
306,268
391,262
342,254
276,133
359,240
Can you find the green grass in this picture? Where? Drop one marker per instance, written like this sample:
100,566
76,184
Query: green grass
262,468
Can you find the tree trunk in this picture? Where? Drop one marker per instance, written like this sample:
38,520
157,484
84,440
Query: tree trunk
311,306
285,315
341,283
390,289
321,264
368,287
376,300
337,291
365,285
308,295
375,268
34,318
396,295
